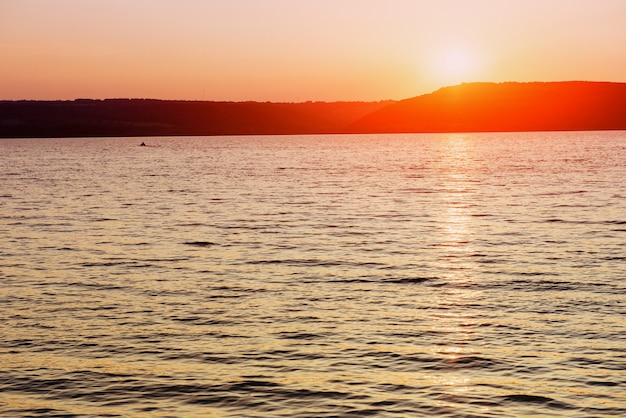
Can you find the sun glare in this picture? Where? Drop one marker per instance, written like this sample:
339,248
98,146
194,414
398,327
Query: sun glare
455,65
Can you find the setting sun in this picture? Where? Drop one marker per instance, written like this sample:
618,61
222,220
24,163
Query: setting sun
453,65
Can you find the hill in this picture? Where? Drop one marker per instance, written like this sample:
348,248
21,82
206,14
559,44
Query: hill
141,117
470,107
478,107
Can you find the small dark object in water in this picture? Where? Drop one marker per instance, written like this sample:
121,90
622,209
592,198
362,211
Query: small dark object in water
200,243
410,280
143,144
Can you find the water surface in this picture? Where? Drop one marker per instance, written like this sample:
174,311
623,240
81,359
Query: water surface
475,275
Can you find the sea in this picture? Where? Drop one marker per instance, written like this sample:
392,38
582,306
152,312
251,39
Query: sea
406,275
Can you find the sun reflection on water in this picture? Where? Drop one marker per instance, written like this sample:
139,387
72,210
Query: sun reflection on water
456,315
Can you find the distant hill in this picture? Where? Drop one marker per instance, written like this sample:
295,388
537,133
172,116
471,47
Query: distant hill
141,117
477,107
470,107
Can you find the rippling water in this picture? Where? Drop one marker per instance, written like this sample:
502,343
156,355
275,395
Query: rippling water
475,275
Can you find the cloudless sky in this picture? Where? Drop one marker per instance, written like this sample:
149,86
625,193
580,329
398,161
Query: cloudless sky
298,50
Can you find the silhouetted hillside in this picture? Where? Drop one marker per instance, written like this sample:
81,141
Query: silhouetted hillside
139,117
472,107
477,107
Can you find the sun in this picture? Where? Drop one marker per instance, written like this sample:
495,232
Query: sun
456,64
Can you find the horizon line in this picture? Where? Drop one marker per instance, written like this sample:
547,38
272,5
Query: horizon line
78,99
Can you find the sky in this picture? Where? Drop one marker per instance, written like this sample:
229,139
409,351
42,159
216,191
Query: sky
300,50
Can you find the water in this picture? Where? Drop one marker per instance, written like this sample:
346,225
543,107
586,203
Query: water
474,275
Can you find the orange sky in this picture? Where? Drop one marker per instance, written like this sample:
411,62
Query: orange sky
291,50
